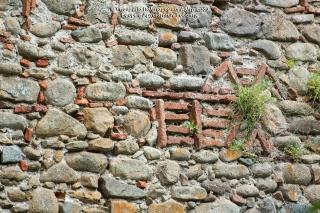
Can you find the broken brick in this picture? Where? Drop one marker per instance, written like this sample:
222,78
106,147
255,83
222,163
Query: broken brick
221,69
23,165
22,108
28,134
160,115
39,108
42,63
25,63
119,136
79,22
43,84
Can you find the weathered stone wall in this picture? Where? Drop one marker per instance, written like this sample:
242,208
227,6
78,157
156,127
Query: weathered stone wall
93,101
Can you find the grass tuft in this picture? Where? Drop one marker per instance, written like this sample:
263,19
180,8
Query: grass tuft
291,63
314,87
295,151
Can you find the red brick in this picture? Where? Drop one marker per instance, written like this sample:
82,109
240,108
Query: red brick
296,9
176,117
76,21
26,7
22,108
67,40
39,108
232,134
43,84
141,184
95,105
121,102
195,116
207,143
70,27
232,74
178,129
119,136
33,3
152,114
23,165
180,140
42,63
266,145
41,97
213,133
81,92
221,69
219,112
156,94
81,101
160,114
176,106
246,71
219,123
210,88
226,91
28,134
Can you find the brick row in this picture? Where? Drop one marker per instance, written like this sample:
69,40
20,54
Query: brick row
174,106
218,123
218,112
176,117
213,133
180,140
178,129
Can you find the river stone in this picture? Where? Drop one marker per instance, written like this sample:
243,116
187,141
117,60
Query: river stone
283,141
87,35
11,154
312,193
60,92
218,206
59,173
86,161
247,190
276,27
45,29
267,185
43,201
312,32
33,52
12,25
62,7
302,52
121,76
281,3
202,17
100,145
170,206
124,56
188,36
295,108
99,120
135,38
130,169
273,119
126,147
296,173
150,80
168,172
216,186
261,169
195,59
10,69
19,89
135,101
137,123
186,82
205,156
180,154
12,173
247,23
111,187
151,153
12,121
269,48
71,206
189,193
310,159
298,79
56,123
141,22
305,127
230,171
165,57
106,91
218,41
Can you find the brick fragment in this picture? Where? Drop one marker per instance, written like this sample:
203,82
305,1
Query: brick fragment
41,97
232,134
180,140
121,102
177,2
208,143
119,136
26,7
237,199
22,108
232,74
215,10
28,134
246,71
23,165
43,84
70,27
265,144
81,91
25,37
195,116
221,69
296,9
8,46
218,123
141,184
160,114
42,62
261,72
25,74
39,108
81,101
77,21
95,105
224,54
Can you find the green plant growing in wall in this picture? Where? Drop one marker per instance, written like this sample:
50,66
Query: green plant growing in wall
239,145
295,151
251,103
291,63
314,87
191,126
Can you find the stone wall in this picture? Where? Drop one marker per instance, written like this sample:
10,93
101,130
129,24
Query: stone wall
93,102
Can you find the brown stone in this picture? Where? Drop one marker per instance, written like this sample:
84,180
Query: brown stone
122,206
170,206
99,120
137,123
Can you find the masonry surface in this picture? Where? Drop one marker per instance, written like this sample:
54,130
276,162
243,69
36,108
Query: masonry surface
132,112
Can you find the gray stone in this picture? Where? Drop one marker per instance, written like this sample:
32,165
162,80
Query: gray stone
230,171
165,57
216,186
267,185
305,127
110,187
283,141
281,3
121,76
180,154
247,23
205,156
71,206
11,154
296,173
99,120
12,121
20,207
291,192
60,92
62,7
302,19
276,27
273,119
218,41
137,123
31,51
86,161
76,146
310,159
100,145
302,52
218,206
261,169
186,82
151,153
312,32
106,91
247,190
124,56
59,173
134,101
127,147
295,207
134,21
312,193
188,36
89,180
12,173
45,29
32,153
43,201
56,123
267,205
298,79
13,25
87,35
295,108
135,38
98,11
10,69
168,172
150,80
202,18
269,48
189,193
194,172
130,169
19,89
195,59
